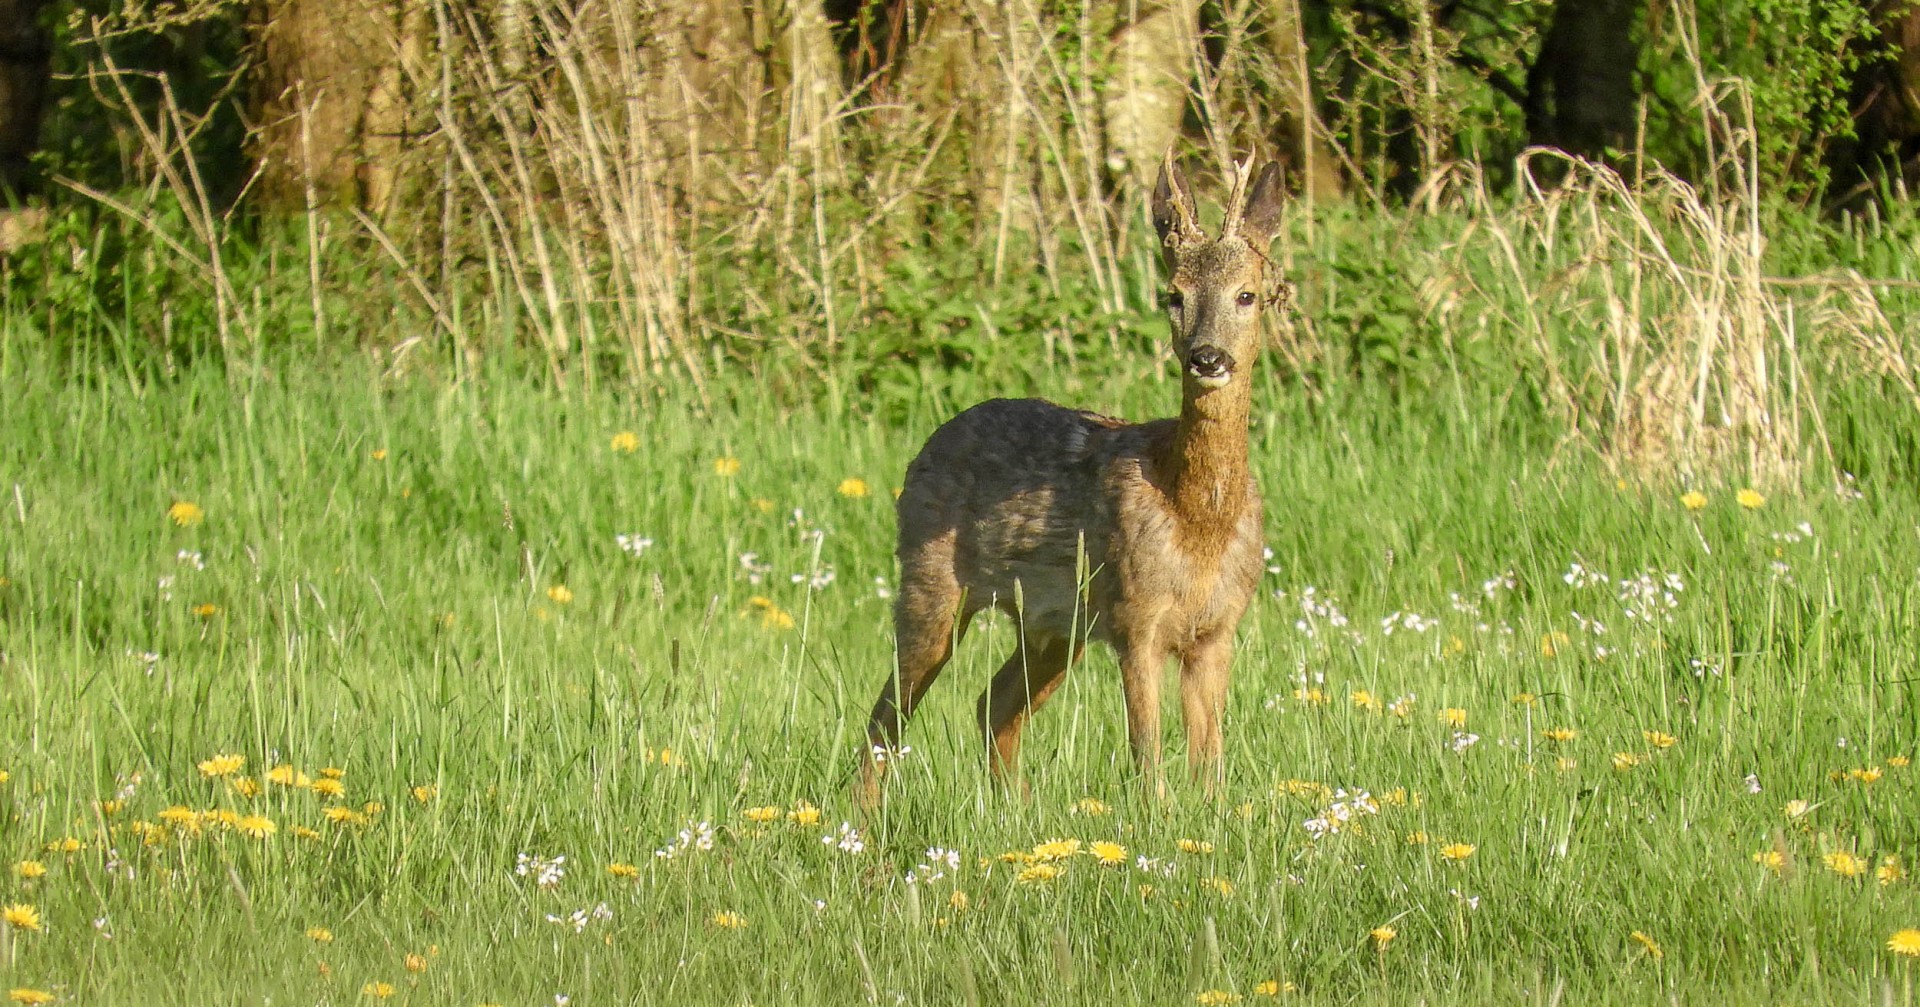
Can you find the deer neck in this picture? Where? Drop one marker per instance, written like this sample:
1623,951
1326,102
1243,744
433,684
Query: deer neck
1206,460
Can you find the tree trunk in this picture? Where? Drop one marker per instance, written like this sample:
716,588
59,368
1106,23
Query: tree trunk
1298,134
24,53
331,102
1580,89
1146,98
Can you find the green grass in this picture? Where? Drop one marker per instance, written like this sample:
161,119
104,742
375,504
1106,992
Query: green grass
391,616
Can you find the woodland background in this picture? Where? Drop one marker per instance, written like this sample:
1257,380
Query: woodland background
1650,218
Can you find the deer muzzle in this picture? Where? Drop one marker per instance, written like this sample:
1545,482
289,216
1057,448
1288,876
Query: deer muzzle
1210,366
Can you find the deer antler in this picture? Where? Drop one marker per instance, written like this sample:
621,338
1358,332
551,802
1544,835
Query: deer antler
1173,213
1237,197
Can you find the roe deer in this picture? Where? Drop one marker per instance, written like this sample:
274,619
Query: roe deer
1006,499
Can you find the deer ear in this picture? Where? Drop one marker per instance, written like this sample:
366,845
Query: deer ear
1262,218
1173,205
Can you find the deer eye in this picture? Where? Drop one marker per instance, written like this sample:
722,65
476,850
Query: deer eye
1245,299
1175,299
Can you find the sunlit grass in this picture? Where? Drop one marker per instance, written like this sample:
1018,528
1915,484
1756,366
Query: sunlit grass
345,690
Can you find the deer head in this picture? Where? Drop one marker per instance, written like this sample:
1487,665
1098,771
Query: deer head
1219,286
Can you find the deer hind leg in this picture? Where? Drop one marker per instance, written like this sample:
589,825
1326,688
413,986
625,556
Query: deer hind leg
1021,686
928,619
1204,671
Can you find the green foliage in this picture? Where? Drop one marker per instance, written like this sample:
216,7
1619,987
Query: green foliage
1798,59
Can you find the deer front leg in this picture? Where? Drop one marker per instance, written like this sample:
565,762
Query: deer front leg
1204,671
1140,664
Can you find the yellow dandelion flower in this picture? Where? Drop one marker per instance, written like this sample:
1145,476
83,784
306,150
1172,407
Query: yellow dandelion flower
373,807
1659,739
1454,646
180,817
110,808
302,832
1552,643
1038,874
1652,946
1314,696
283,775
415,962
1417,837
1273,988
377,990
1772,860
1216,997
1560,734
1905,942
5,776
958,901
1453,716
1194,846
67,844
1382,936
619,870
378,454
1365,700
626,442
333,773
1750,498
560,594
328,786
1107,854
1890,872
424,793
1056,849
727,919
1796,809
1457,851
186,513
1402,707
343,816
30,869
30,996
1092,807
1845,864
1525,699
1869,774
1304,788
1217,884
1395,798
1693,500
245,786
762,815
206,610
761,504
804,814
853,488
1624,761
20,916
320,935
726,466
257,826
1565,764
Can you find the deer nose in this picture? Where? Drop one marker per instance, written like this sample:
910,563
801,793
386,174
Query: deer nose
1209,362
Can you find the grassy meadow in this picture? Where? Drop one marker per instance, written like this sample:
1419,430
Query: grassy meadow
325,685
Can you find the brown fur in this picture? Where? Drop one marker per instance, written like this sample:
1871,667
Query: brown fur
1012,502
